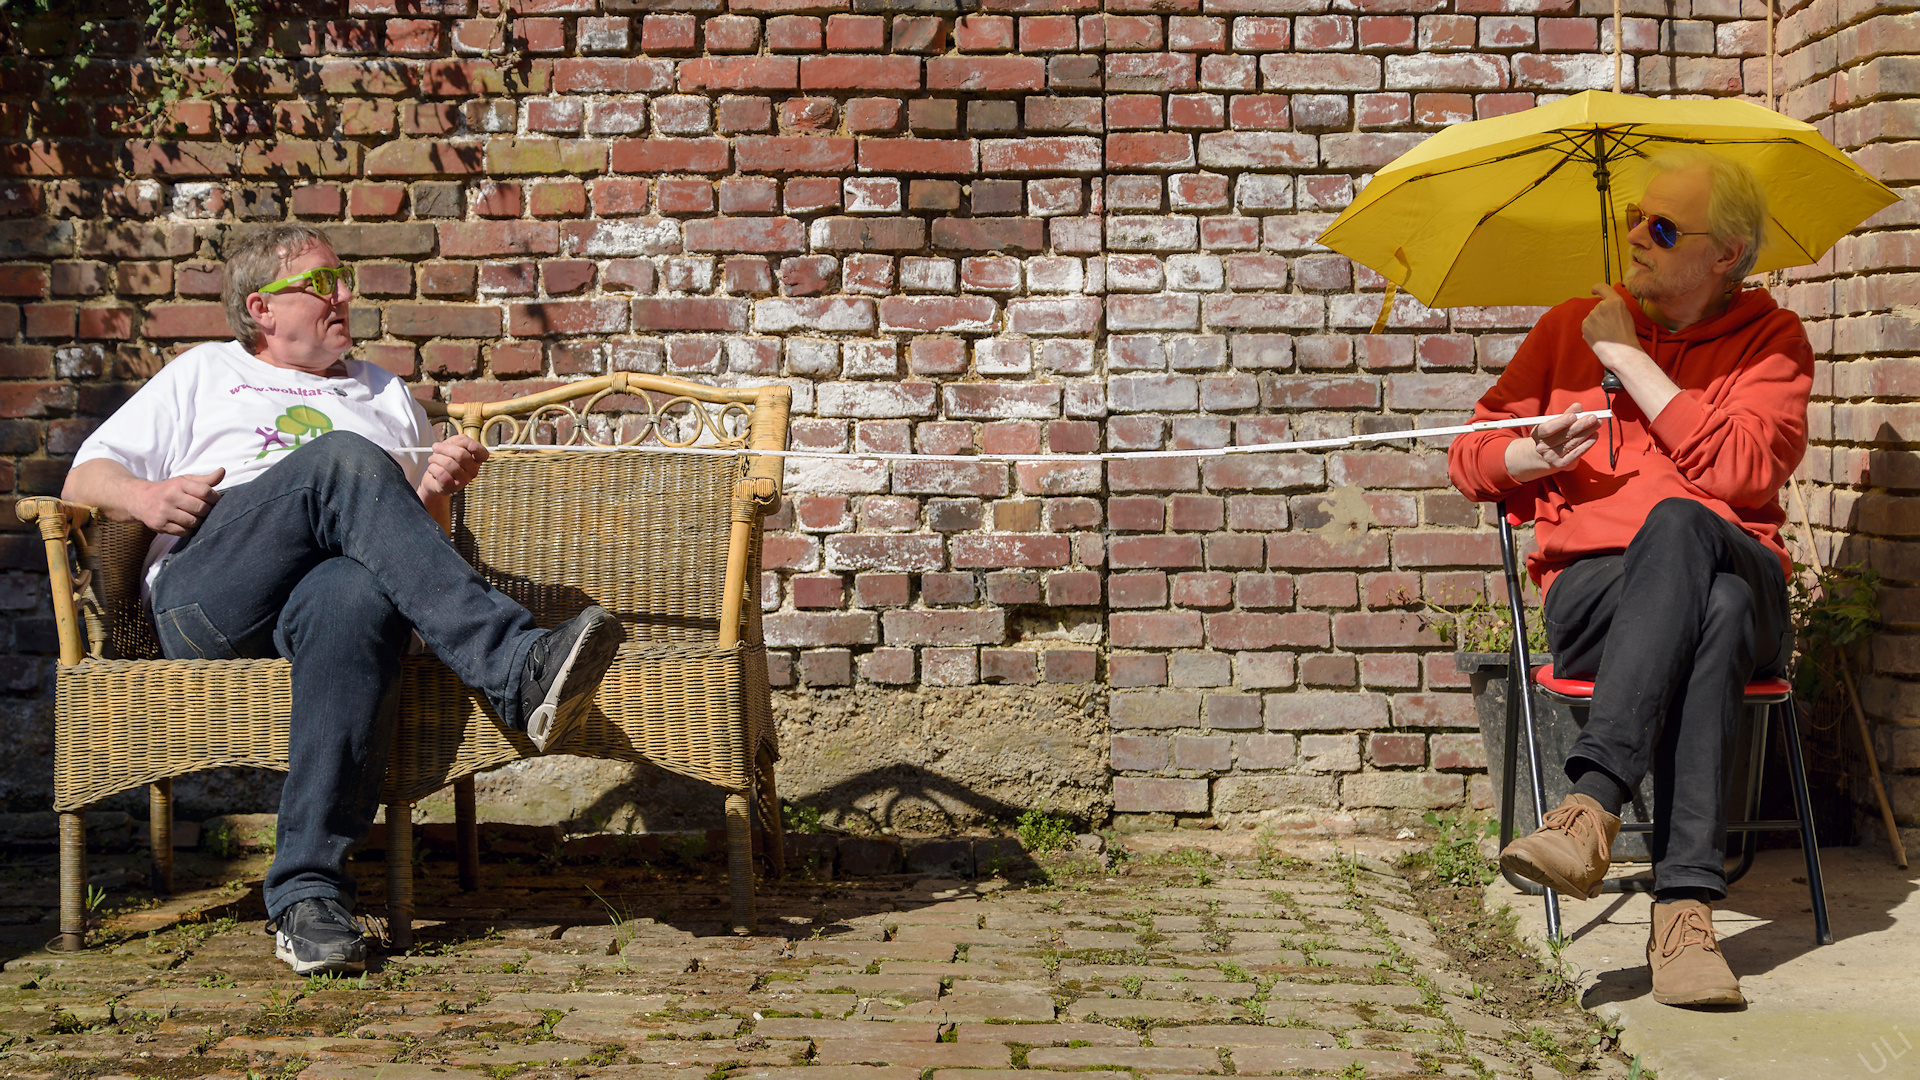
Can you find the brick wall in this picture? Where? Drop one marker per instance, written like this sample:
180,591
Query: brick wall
1048,225
1848,67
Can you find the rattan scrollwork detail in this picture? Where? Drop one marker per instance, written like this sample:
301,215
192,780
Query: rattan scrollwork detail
673,423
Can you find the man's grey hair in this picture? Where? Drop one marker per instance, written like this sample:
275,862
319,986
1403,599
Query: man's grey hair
259,259
1736,203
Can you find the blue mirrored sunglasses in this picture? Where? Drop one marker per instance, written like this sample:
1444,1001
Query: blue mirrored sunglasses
1664,231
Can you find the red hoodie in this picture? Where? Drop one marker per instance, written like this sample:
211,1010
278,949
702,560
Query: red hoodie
1734,434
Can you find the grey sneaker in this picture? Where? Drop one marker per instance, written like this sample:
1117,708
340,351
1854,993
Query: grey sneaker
317,935
563,670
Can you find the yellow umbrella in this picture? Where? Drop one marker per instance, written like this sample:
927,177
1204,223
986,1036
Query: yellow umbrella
1530,208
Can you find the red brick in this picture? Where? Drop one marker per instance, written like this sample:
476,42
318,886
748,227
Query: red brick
1155,630
485,239
186,320
986,74
567,317
1387,751
983,33
740,73
665,35
911,156
691,313
855,33
794,33
794,153
670,156
746,235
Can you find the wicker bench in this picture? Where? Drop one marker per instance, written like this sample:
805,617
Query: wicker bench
669,542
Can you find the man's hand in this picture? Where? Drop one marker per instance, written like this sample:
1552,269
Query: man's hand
455,462
1555,446
175,506
1610,320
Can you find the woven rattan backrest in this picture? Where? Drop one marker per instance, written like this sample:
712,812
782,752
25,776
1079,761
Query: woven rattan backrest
642,534
119,552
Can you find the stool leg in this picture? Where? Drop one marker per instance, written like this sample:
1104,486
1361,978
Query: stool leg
1756,772
73,880
400,875
1803,806
740,861
466,830
160,833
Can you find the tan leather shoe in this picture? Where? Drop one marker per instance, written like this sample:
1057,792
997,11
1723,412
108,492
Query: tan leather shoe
1571,853
1688,968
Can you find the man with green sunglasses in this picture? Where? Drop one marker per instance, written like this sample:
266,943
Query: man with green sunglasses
284,527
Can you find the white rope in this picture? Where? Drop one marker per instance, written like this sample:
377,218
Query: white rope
1123,455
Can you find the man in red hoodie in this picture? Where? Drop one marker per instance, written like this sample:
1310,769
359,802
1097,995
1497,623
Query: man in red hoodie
1660,552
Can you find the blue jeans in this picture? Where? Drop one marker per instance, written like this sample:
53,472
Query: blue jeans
329,560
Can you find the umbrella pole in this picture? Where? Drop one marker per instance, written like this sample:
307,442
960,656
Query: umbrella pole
1603,186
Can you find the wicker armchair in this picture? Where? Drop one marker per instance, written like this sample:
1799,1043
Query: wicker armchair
668,542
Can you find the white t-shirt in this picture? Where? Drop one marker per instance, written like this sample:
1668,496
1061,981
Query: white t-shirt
218,406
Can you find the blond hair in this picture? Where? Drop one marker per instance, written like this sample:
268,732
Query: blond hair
1736,203
257,260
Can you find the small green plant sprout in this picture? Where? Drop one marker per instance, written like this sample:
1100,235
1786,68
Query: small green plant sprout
1637,1071
1833,609
1355,1070
1455,857
222,841
1042,833
800,819
1476,623
96,899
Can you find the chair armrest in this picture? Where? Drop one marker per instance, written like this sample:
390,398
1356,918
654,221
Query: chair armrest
57,520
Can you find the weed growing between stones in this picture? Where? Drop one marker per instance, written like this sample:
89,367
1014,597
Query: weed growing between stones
1455,856
1042,833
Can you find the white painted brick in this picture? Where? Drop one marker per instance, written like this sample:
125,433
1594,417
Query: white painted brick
1003,356
1157,232
870,358
811,356
872,195
1056,273
1196,273
1134,273
814,314
928,275
1067,356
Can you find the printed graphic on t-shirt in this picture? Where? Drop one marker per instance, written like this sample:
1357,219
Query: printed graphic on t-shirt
301,422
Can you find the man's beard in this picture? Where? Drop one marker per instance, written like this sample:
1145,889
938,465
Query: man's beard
1644,283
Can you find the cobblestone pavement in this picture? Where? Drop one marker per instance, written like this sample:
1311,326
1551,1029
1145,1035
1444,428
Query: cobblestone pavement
1173,964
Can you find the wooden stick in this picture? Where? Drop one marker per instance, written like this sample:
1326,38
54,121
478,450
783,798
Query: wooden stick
1853,698
1616,49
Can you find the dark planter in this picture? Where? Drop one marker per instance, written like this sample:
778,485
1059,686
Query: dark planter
1558,726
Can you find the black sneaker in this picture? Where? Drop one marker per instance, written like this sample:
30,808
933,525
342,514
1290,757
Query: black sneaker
563,670
317,935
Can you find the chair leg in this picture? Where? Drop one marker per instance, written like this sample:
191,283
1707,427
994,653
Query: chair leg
740,861
1803,806
160,834
1756,773
466,829
400,875
770,822
73,880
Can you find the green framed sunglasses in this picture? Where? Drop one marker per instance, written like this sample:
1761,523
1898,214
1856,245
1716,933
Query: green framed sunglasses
323,279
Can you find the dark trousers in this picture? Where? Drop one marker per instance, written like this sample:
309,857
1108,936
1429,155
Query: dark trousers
329,559
1670,632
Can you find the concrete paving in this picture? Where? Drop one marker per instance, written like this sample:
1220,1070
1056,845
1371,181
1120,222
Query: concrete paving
1175,964
1850,1009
